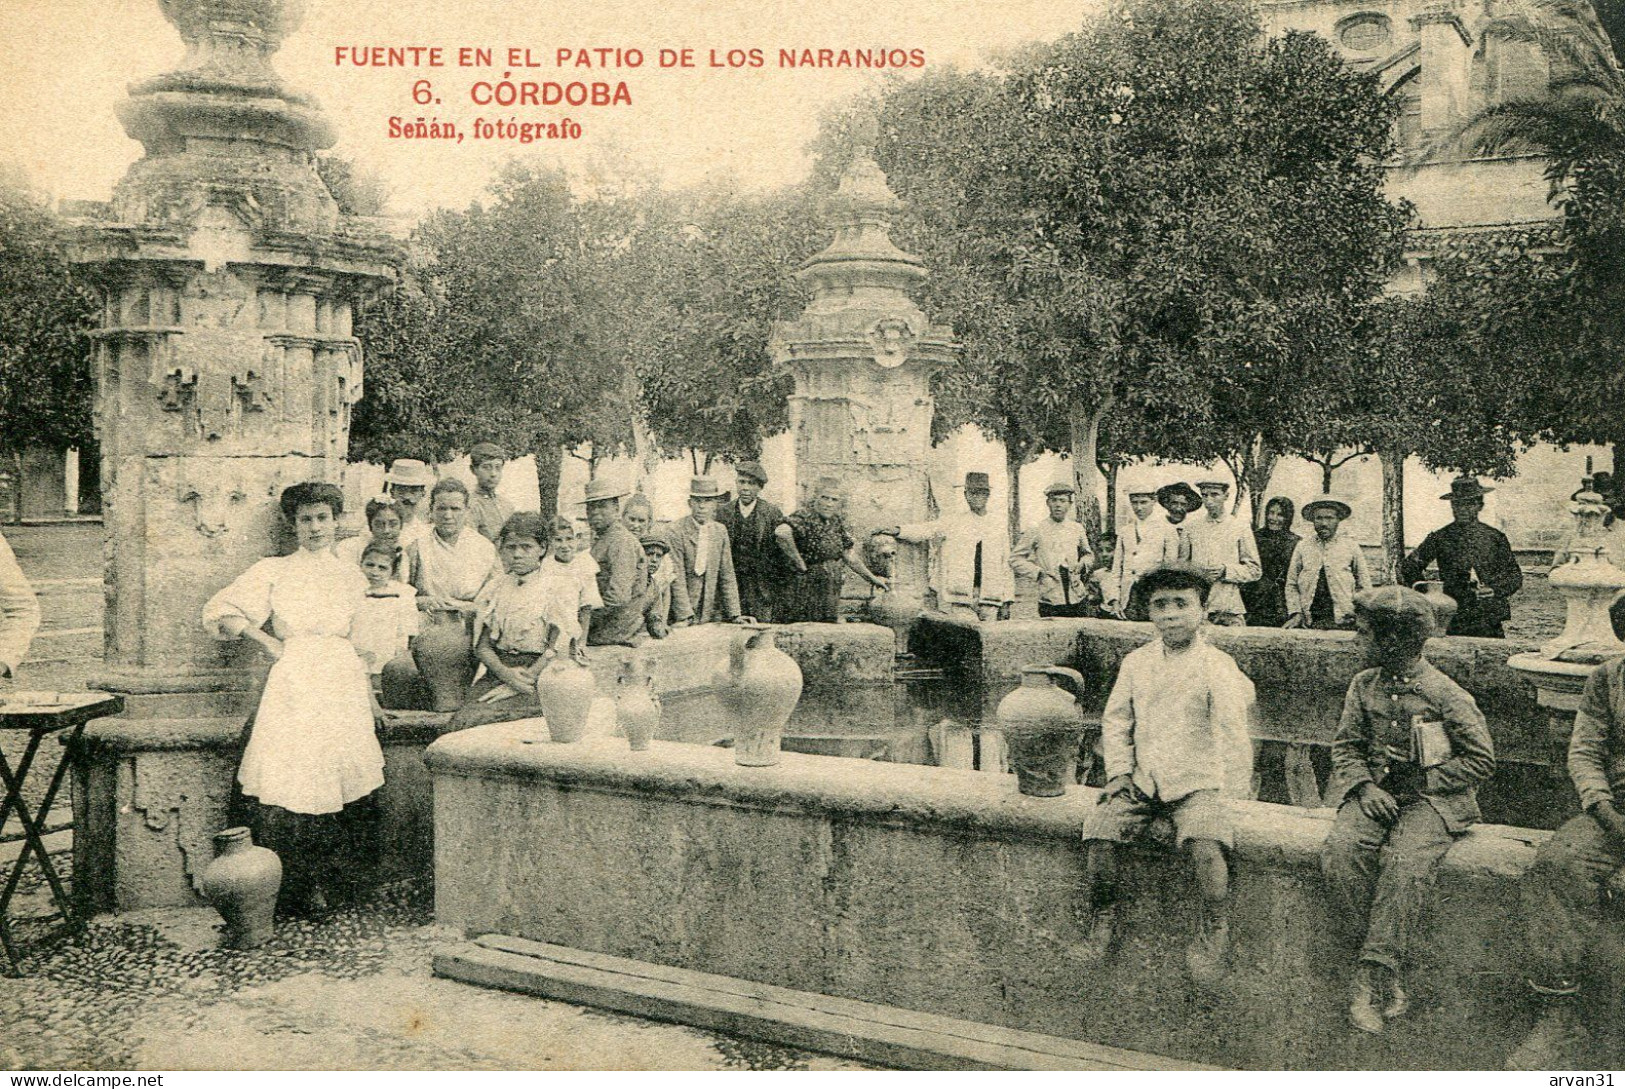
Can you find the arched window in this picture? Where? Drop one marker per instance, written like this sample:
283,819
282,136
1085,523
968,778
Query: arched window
1408,127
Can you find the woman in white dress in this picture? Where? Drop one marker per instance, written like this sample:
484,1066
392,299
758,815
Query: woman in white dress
313,760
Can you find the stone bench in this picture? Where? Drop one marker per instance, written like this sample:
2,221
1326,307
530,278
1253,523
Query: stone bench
948,892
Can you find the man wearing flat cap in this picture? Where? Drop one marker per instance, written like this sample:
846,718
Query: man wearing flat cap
764,548
1223,549
1055,554
487,511
705,590
1326,570
1475,561
623,571
971,565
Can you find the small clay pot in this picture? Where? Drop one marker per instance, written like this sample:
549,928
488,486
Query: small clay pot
242,883
637,708
1043,726
566,691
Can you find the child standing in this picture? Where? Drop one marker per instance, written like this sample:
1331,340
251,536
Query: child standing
387,621
1177,739
567,606
1410,752
657,601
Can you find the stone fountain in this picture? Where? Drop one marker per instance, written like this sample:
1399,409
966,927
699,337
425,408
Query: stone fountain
1589,583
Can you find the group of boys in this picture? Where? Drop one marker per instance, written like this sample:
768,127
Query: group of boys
1411,750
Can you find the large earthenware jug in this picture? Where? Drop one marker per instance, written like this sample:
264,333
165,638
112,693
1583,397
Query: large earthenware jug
1043,724
242,883
565,690
758,688
1444,606
637,708
444,655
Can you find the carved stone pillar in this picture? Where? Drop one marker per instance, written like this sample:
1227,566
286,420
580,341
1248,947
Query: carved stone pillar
863,355
225,364
226,371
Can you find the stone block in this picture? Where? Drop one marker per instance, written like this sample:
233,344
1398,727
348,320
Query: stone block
948,892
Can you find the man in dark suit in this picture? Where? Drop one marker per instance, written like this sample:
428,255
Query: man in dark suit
764,549
1475,561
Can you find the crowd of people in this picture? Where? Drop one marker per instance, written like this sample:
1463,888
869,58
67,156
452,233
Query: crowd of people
500,594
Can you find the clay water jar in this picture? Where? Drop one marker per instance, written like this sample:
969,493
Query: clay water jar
759,687
566,691
242,883
444,654
637,708
1043,725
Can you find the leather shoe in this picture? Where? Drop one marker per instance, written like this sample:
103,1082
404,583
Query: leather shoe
1363,1012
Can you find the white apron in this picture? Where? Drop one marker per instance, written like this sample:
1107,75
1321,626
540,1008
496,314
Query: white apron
312,749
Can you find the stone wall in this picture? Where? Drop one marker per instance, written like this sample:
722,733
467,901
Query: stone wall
150,793
1301,676
946,891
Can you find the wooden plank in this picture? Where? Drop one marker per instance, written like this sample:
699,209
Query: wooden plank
880,1035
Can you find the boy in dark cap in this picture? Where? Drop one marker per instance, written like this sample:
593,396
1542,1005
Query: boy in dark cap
1177,735
1410,752
764,548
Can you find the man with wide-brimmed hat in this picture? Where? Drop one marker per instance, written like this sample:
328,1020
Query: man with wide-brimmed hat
1326,570
407,482
1223,549
764,548
1138,550
487,511
1475,561
1056,555
971,569
623,571
706,590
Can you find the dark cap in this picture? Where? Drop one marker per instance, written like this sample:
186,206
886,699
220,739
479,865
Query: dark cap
1395,605
751,470
649,540
977,482
1176,576
486,451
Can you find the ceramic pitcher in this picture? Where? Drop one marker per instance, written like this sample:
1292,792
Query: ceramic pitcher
759,688
242,883
637,708
565,689
1043,724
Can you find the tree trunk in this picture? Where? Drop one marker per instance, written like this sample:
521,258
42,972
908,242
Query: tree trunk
1393,506
1084,428
1012,466
1326,470
1108,520
549,464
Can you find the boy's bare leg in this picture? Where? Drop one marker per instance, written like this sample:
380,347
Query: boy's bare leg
1100,923
1206,956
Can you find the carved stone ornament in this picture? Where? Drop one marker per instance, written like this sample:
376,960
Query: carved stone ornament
892,338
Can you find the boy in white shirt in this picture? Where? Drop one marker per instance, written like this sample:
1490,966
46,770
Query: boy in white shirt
387,622
1177,740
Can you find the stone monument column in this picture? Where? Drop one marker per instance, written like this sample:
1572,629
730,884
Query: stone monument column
863,355
225,371
225,363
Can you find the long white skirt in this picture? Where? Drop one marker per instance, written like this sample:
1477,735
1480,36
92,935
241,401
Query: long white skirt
313,749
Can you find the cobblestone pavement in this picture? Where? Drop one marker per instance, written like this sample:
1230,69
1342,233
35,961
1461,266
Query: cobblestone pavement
150,990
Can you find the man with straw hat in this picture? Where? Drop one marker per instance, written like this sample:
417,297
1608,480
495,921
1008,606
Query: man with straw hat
1326,570
407,483
1475,561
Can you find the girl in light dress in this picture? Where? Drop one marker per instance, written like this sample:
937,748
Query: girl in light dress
387,621
383,528
313,763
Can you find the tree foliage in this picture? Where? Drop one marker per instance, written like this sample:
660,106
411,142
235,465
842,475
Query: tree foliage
46,316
